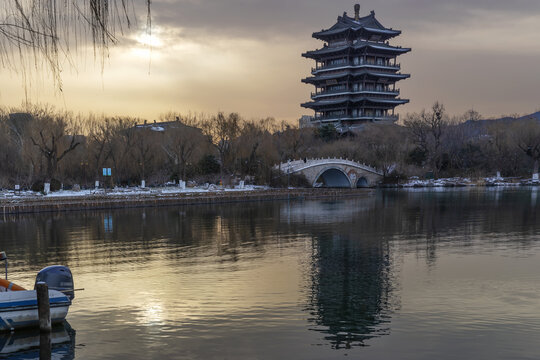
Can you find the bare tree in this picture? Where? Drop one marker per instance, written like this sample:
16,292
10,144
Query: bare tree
472,115
123,140
384,146
292,142
249,141
527,138
501,153
11,164
427,129
143,152
180,144
101,137
221,131
419,130
52,136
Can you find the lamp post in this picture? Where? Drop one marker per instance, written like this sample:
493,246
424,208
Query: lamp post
84,166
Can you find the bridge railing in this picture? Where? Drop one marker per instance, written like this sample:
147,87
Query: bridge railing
293,166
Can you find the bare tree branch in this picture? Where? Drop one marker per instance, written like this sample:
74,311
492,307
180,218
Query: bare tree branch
36,30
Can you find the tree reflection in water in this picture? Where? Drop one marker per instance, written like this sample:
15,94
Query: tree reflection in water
350,250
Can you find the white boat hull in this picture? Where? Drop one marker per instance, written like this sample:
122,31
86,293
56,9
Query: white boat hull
18,309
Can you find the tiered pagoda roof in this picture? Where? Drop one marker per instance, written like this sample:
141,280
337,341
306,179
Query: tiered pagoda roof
357,45
321,104
366,27
390,77
356,72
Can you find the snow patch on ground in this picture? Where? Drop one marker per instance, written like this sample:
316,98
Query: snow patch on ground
131,191
414,182
447,182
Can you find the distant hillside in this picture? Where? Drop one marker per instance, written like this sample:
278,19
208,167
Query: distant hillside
477,128
536,115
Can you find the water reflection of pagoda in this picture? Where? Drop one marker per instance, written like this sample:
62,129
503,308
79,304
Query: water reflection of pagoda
350,294
356,73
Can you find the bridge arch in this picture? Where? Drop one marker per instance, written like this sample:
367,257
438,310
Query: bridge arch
362,182
337,172
333,177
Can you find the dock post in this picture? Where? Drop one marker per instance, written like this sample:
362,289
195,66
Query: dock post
44,309
45,346
3,257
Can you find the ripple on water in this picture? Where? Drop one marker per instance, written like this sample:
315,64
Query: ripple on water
409,275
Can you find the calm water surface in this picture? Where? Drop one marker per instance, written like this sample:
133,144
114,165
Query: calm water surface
385,275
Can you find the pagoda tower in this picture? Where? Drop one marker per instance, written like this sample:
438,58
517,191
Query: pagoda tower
355,74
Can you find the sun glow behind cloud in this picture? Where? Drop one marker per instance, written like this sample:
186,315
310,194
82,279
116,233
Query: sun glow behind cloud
183,74
151,40
147,45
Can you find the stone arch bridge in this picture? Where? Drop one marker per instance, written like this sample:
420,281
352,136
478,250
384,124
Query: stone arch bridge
333,172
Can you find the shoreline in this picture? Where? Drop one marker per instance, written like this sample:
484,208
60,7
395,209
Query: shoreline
67,201
109,202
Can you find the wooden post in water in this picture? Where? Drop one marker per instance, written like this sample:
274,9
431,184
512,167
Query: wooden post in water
44,309
45,349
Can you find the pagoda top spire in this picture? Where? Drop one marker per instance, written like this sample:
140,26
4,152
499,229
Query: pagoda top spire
367,25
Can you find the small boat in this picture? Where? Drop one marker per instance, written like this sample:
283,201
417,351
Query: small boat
18,306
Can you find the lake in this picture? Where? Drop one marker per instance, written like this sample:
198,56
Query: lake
387,274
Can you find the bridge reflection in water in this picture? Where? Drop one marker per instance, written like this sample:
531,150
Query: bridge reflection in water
250,279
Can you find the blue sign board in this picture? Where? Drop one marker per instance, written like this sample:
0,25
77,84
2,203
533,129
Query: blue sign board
108,223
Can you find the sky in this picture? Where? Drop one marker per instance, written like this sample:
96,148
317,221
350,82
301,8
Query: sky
245,56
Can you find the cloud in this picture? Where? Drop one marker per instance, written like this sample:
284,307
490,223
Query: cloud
285,18
245,56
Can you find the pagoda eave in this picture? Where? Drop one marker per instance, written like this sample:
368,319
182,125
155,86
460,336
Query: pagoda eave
355,73
380,47
390,77
320,105
316,54
385,34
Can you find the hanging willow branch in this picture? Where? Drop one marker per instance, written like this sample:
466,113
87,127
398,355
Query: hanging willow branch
41,33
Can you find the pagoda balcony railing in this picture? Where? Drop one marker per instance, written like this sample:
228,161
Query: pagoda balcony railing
332,118
352,92
353,65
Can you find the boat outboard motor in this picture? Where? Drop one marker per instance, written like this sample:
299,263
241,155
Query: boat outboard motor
58,277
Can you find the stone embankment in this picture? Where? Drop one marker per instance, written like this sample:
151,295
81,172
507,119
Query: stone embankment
97,201
15,202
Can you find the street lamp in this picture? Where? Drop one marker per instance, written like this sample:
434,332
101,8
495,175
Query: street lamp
84,166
